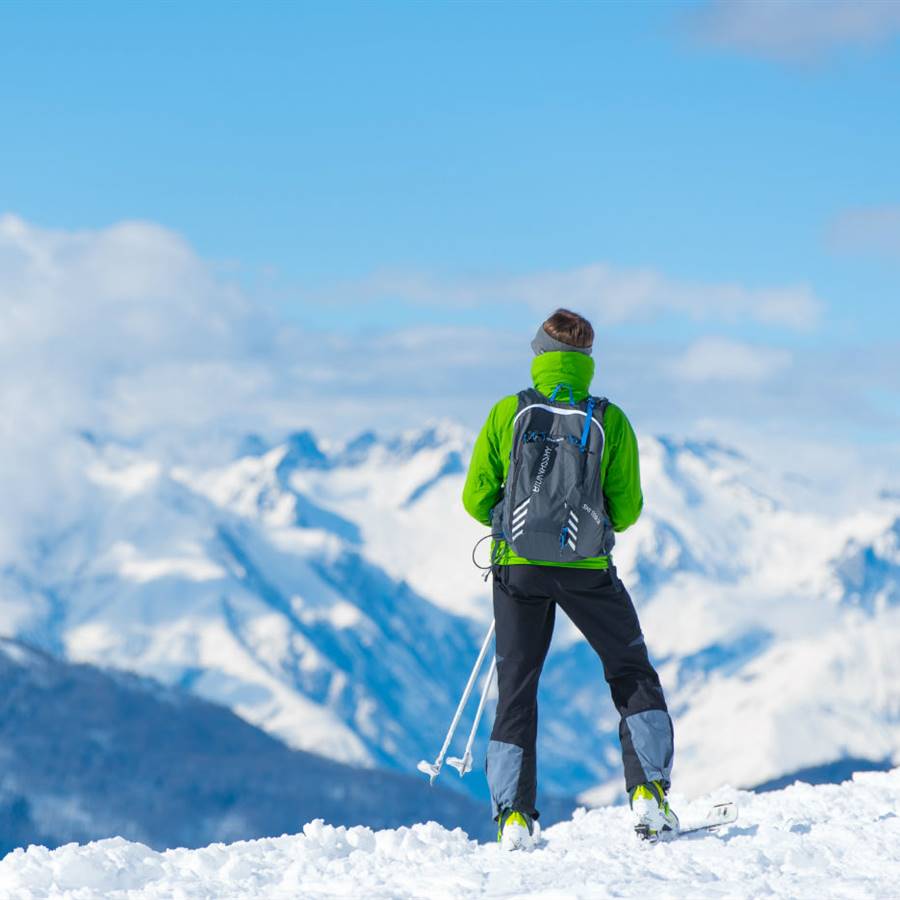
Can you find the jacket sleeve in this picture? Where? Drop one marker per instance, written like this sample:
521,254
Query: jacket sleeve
622,481
484,481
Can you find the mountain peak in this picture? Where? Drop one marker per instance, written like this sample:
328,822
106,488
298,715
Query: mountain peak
303,451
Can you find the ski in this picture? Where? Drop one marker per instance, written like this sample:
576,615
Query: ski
719,814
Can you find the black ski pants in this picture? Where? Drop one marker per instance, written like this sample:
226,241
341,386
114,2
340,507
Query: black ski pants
525,600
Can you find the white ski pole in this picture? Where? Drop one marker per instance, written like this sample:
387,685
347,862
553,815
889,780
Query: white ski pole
433,769
464,764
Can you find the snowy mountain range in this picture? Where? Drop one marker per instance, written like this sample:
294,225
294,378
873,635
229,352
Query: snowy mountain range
324,591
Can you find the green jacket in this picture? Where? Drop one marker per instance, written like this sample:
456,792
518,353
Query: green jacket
619,469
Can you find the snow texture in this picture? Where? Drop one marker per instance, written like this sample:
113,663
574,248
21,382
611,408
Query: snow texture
836,841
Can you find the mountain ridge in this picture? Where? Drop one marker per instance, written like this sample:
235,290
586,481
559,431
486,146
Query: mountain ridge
91,753
324,591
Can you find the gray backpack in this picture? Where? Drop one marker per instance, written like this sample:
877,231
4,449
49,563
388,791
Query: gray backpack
553,508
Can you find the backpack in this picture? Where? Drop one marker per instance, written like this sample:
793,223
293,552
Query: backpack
553,509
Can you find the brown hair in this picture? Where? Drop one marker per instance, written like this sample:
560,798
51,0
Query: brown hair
570,328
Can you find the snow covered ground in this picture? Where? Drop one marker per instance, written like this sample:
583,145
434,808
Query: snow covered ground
834,841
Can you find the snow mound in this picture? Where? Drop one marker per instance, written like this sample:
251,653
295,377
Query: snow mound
804,841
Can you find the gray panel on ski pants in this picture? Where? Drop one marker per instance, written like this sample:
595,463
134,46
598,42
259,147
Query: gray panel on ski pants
504,770
651,738
525,600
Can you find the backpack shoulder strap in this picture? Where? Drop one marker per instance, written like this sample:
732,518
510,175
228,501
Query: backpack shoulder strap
529,396
595,405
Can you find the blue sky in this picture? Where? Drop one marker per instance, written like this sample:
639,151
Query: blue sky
402,165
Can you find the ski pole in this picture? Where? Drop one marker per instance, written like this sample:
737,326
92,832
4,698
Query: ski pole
433,769
464,764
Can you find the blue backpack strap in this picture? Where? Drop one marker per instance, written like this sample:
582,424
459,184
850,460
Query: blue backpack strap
595,404
563,384
586,432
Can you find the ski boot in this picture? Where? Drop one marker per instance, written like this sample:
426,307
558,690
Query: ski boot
653,819
517,830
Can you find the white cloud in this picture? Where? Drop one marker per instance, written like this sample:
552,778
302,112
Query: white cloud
125,295
606,294
120,331
871,230
721,359
126,332
794,30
